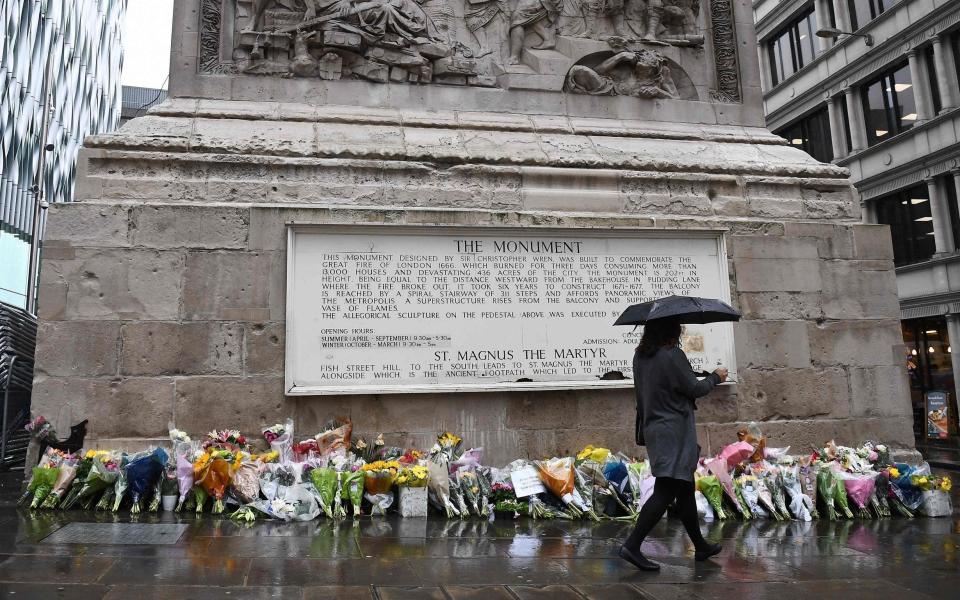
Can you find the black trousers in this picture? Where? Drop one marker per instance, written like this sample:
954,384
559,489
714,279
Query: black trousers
665,491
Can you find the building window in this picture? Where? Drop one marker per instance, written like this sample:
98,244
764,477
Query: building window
932,79
864,11
955,43
846,126
793,47
911,224
811,134
889,106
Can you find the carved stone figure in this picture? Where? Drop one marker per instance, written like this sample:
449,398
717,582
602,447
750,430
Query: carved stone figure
480,16
640,73
596,10
303,64
673,20
537,16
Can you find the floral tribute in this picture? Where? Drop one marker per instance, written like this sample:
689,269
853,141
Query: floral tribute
335,475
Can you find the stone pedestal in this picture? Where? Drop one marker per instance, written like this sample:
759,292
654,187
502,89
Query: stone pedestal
163,289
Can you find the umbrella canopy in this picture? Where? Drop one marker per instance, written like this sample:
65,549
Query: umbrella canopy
685,309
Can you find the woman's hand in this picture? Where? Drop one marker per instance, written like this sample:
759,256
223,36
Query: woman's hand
721,372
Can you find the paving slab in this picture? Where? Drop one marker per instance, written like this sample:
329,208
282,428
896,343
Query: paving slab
93,555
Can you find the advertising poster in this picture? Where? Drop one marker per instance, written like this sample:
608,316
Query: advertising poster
937,414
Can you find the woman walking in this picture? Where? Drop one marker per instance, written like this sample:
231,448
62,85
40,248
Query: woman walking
666,390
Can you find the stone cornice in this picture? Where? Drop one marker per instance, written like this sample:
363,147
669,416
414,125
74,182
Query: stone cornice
861,68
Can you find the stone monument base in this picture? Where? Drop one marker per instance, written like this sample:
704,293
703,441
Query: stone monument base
163,292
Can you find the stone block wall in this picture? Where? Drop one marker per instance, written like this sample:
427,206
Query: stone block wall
162,290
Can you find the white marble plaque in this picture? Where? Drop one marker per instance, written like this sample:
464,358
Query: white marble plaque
429,309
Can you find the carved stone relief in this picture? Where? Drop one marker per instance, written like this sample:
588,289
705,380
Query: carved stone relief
527,44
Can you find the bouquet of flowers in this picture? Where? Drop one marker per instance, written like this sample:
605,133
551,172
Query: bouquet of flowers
734,454
123,483
860,488
448,447
592,485
766,498
143,474
800,504
280,438
558,475
212,473
467,480
352,484
827,491
807,476
334,436
83,469
775,485
881,492
710,487
42,482
641,484
438,488
718,469
184,478
45,461
379,478
326,480
840,496
226,439
42,430
415,476
750,493
245,483
102,476
65,477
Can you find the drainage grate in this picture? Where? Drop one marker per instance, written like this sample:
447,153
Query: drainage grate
116,533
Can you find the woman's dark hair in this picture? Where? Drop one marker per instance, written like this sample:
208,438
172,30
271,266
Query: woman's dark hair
656,335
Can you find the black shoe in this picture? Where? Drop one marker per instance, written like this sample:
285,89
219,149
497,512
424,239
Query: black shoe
707,552
638,560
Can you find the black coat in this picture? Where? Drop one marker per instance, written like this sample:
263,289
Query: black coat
666,390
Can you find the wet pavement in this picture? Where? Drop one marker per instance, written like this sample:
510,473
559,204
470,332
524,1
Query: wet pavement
387,558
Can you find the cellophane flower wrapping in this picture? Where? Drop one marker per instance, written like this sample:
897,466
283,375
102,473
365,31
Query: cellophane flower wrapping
485,479
827,491
641,484
143,474
83,469
799,503
909,493
704,510
44,478
807,476
840,497
775,485
470,459
438,487
246,482
766,499
466,478
65,476
747,484
123,483
861,489
718,469
335,436
736,453
557,474
184,478
352,484
102,476
280,438
590,485
215,478
710,487
325,481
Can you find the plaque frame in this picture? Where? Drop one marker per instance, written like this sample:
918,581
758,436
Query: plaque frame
294,228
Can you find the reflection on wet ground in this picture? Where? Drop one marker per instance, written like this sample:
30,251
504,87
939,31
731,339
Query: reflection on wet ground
430,558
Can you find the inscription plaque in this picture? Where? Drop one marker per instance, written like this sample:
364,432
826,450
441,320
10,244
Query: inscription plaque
423,309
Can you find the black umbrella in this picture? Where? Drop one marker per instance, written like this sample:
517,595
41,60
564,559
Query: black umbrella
685,309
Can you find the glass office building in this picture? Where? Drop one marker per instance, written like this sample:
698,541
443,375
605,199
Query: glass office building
78,43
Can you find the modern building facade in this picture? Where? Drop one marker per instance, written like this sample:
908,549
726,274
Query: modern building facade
885,103
76,42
